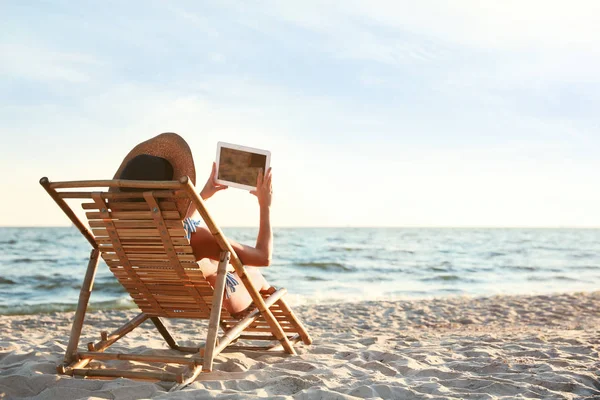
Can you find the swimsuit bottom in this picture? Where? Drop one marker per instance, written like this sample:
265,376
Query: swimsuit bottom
190,226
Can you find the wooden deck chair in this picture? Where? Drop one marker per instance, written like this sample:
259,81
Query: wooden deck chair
140,236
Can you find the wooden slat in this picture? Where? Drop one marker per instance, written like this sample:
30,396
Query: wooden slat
131,206
138,233
285,329
94,355
163,284
183,241
118,183
120,332
196,274
146,249
171,280
260,324
132,215
173,299
135,257
170,299
258,337
117,373
168,194
232,322
171,305
187,314
160,264
157,291
140,223
145,301
197,280
291,316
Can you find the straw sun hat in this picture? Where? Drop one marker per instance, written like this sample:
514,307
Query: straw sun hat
169,146
170,159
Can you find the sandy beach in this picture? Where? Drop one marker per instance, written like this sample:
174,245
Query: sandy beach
501,347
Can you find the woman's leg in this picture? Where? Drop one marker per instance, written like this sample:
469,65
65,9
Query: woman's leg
240,299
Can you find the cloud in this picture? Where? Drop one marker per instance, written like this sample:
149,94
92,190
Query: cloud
508,24
23,61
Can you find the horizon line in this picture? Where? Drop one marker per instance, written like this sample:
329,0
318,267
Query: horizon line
358,226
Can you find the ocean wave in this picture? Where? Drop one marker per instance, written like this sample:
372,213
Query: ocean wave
586,267
31,260
444,266
12,241
443,277
553,278
325,266
112,286
345,249
390,270
4,281
56,285
552,248
522,268
583,255
108,286
438,269
46,308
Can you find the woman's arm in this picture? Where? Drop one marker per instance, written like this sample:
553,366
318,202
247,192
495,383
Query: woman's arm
204,244
264,192
210,188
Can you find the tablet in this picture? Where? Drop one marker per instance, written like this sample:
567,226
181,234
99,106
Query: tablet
238,166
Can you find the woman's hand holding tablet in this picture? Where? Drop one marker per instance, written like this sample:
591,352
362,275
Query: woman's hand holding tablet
239,166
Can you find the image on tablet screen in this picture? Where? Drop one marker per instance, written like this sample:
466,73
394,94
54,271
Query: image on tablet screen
240,166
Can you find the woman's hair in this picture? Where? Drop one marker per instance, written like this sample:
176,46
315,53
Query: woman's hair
146,168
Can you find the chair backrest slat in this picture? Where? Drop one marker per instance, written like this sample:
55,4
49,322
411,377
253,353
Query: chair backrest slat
120,256
141,237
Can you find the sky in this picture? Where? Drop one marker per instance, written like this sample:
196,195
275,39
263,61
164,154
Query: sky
399,113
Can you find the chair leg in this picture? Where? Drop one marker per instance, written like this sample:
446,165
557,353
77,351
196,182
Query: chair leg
164,333
294,320
84,297
107,341
215,312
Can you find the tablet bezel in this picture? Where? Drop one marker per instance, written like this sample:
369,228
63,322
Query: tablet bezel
220,145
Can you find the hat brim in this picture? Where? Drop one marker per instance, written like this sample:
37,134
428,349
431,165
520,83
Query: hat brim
169,146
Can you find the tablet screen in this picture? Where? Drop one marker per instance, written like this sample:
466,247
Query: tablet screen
240,166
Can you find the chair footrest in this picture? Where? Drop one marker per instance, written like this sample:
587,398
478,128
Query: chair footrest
120,373
260,337
141,357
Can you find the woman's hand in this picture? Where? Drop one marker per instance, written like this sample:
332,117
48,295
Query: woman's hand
264,188
211,187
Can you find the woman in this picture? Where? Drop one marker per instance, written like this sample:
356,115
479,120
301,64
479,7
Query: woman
205,246
168,157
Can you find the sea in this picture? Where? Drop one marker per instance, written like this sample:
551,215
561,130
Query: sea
41,269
